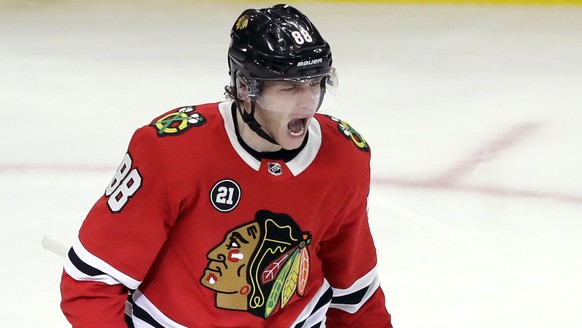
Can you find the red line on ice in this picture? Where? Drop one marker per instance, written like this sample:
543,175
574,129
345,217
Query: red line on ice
451,178
485,154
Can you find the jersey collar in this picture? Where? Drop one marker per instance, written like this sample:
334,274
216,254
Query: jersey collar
297,161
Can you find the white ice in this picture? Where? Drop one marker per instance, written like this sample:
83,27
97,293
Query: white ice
473,114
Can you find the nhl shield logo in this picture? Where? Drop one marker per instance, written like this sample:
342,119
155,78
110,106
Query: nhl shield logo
275,168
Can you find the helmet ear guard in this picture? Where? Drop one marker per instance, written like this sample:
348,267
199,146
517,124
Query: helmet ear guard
246,89
242,88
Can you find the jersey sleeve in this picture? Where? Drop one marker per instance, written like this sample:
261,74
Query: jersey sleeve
349,264
93,304
120,237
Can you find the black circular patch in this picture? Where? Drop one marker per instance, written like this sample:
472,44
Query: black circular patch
225,195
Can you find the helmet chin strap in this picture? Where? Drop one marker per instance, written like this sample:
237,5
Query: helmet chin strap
249,119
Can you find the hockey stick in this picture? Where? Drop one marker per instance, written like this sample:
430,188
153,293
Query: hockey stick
54,246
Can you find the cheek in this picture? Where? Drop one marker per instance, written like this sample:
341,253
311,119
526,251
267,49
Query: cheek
273,121
234,255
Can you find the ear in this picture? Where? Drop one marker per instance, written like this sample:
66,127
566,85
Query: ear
242,90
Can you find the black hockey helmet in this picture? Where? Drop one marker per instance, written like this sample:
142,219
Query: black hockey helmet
276,43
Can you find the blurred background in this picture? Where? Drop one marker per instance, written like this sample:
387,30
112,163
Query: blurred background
472,109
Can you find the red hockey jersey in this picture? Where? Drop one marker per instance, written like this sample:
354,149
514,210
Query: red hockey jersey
198,230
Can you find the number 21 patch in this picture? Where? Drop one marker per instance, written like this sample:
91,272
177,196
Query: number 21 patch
125,183
225,195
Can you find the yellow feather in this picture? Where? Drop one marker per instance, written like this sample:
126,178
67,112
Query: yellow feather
290,284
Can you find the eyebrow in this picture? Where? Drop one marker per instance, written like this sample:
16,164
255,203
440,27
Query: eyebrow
237,236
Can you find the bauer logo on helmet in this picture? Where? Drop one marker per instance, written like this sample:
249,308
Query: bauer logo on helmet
310,62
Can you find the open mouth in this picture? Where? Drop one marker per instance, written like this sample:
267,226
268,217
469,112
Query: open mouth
297,126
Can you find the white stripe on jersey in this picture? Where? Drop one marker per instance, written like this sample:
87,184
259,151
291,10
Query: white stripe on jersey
145,304
111,275
149,315
78,275
308,314
371,281
137,323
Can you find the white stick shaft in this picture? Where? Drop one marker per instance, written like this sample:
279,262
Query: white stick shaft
54,246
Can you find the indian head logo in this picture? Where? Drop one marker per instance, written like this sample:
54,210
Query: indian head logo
260,265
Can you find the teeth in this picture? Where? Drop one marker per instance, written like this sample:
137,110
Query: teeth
296,134
296,127
212,281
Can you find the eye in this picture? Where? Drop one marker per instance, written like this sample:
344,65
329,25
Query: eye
290,87
232,243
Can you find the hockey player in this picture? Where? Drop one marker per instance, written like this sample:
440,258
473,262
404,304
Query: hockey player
250,212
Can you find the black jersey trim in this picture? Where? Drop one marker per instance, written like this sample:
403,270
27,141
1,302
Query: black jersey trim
351,299
142,315
82,266
129,322
323,301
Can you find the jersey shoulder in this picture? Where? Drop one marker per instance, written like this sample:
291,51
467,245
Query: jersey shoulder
181,134
183,119
340,133
344,155
179,127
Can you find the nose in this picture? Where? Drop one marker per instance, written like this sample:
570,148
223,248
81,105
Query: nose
216,255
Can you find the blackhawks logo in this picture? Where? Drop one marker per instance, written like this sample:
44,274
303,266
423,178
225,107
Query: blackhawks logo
178,122
242,22
260,265
351,134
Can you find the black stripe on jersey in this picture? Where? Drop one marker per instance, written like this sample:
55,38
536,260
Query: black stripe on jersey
82,266
323,300
129,322
351,299
143,315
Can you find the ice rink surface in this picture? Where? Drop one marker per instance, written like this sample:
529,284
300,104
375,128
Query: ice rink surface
474,114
